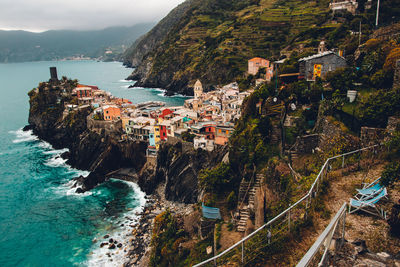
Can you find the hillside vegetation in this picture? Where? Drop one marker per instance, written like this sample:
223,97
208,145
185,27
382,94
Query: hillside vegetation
215,38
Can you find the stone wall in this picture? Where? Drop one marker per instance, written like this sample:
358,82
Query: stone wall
111,128
329,62
307,143
393,124
371,136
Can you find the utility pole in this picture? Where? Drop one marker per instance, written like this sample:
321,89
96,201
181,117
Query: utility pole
359,35
377,14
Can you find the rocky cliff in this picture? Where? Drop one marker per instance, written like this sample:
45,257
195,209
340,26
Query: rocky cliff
98,153
150,41
177,167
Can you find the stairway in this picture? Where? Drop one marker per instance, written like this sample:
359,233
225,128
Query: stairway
244,212
275,134
294,155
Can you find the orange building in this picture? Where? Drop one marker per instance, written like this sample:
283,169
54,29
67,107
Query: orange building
256,63
111,112
222,134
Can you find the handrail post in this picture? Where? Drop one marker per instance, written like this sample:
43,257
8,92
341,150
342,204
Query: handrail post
242,252
289,219
344,225
343,162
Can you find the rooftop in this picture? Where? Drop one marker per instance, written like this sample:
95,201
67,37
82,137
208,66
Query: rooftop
319,55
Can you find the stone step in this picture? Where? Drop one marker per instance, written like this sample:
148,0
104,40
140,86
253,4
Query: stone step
241,229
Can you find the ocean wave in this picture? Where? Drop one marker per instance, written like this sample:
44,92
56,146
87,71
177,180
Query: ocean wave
45,145
117,257
67,189
125,81
56,151
23,136
125,86
56,161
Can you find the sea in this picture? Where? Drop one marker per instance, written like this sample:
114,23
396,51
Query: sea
42,221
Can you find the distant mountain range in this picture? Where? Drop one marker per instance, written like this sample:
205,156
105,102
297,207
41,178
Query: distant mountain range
106,44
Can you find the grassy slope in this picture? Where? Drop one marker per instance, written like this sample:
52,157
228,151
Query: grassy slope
215,40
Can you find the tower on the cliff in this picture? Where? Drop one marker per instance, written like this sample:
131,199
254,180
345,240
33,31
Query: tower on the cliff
53,74
198,90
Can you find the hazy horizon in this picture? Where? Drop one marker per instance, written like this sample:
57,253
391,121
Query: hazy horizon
44,15
80,30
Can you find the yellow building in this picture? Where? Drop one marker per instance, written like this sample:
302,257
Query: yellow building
157,136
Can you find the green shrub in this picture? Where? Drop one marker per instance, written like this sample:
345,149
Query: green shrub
231,200
391,174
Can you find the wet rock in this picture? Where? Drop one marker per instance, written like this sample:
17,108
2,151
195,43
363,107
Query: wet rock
103,244
119,245
106,236
111,246
111,240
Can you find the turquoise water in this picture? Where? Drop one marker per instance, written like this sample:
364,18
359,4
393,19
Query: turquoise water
42,222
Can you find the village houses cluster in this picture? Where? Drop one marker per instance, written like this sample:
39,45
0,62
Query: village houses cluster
208,118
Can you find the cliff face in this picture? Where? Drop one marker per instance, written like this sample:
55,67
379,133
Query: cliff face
150,41
177,167
213,39
98,153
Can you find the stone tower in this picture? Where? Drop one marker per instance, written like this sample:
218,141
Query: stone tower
53,74
198,90
322,47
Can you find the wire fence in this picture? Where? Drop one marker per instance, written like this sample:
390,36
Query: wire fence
270,237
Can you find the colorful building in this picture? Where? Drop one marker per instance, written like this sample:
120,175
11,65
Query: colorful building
84,95
222,134
111,112
255,64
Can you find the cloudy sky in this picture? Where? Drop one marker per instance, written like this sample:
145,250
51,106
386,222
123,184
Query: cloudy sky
40,15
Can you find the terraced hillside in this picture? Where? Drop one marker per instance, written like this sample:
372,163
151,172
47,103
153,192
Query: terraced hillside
215,38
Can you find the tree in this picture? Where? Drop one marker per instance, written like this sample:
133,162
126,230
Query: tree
391,59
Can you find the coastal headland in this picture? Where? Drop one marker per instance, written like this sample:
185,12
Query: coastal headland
59,115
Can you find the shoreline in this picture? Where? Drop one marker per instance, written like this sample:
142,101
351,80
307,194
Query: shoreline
132,234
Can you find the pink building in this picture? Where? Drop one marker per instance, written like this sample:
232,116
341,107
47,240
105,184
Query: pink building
256,63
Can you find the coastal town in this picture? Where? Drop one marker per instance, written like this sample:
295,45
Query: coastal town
207,119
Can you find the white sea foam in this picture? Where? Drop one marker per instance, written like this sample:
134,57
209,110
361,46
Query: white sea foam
98,256
56,151
56,161
44,145
125,81
125,86
68,189
23,136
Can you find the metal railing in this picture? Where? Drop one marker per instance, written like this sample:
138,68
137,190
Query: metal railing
261,241
337,225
